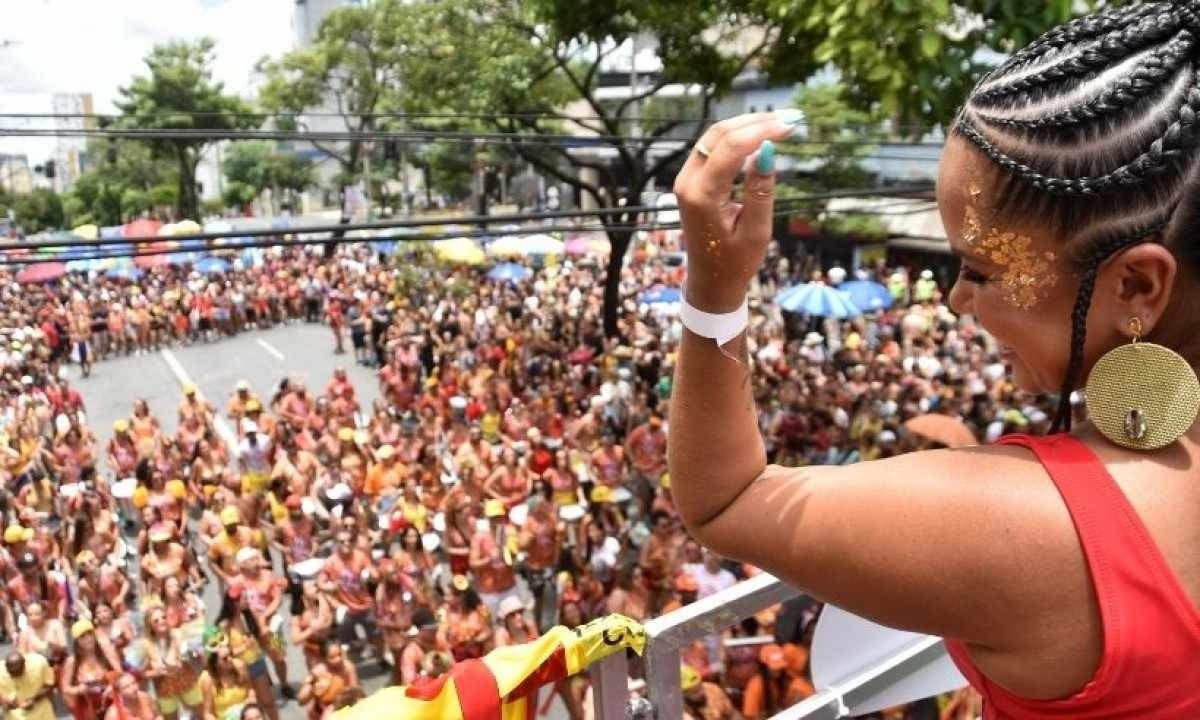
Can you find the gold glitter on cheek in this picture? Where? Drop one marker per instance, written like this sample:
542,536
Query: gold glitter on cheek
1028,276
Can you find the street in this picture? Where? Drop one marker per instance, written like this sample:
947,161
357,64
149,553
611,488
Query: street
303,351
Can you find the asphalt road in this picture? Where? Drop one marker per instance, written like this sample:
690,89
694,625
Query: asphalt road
263,358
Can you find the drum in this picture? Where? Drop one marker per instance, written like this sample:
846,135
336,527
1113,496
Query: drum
518,514
431,542
308,569
571,513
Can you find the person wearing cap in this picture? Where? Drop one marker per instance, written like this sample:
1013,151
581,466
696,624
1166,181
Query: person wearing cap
31,584
254,457
84,678
344,579
234,536
425,638
491,559
236,407
261,591
704,700
685,590
466,622
167,558
27,685
646,447
386,476
925,287
513,626
122,450
265,421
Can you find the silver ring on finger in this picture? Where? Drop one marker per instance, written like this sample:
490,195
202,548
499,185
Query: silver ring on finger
702,149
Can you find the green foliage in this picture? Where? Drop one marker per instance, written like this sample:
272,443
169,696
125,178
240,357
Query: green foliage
916,59
179,93
37,210
252,167
124,179
855,225
836,131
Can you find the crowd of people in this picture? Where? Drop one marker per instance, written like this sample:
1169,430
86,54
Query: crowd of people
512,476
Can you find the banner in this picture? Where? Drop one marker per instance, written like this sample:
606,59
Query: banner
502,685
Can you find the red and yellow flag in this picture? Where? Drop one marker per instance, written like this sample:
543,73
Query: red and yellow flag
502,685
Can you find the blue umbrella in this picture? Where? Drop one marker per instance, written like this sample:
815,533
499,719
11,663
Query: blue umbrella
661,296
509,271
212,265
818,300
867,295
125,271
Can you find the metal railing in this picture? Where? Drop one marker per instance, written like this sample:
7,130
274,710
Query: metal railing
667,635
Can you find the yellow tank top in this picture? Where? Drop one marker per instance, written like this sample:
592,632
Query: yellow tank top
225,698
244,646
489,426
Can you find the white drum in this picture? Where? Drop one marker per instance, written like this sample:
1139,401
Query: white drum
123,488
431,542
518,514
308,569
571,513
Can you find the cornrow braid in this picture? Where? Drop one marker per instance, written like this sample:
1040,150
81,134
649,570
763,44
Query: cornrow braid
1079,30
1179,136
1083,303
1150,75
1118,44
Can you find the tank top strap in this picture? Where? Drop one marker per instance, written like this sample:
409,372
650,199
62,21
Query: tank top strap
1131,577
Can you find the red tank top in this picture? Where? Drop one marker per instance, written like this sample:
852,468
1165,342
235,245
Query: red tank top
1149,668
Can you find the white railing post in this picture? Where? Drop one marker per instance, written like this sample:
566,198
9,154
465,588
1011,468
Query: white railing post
610,686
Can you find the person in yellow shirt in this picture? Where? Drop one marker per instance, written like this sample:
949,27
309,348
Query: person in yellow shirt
26,682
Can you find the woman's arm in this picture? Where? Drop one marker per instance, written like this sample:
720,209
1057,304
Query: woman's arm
940,542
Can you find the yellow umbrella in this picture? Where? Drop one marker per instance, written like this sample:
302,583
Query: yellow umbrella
460,250
87,232
187,227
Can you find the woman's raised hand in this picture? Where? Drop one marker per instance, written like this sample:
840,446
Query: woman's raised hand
726,241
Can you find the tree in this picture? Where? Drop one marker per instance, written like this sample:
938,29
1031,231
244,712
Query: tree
915,59
37,210
351,67
252,167
124,179
180,94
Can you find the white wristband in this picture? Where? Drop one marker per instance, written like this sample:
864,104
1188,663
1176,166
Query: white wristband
721,328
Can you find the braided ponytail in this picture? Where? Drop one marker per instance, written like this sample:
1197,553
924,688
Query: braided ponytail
1094,123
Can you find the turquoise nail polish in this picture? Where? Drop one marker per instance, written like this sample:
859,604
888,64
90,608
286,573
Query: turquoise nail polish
766,158
789,116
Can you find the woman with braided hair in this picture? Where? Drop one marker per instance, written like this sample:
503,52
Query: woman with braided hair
1062,570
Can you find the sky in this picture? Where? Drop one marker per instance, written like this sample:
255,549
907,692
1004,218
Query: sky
96,46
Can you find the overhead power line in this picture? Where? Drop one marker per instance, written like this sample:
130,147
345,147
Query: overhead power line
550,116
414,223
407,135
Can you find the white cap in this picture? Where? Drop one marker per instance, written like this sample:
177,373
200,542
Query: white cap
836,275
246,554
813,339
26,380
510,605
926,274
887,436
242,385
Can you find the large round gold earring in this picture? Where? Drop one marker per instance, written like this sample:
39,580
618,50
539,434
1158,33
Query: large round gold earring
1142,396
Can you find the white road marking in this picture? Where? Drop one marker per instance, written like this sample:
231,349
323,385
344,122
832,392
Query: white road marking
270,348
219,423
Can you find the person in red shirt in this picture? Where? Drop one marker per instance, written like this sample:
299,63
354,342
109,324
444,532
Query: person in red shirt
344,580
541,540
647,447
494,576
261,591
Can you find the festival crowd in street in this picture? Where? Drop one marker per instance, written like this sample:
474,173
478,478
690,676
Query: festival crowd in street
512,478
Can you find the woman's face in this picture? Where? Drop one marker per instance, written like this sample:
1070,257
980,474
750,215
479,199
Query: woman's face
158,621
171,587
36,614
411,538
104,614
1021,294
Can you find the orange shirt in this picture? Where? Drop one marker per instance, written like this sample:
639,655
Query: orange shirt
381,477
